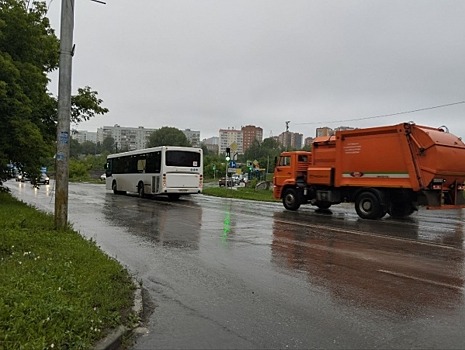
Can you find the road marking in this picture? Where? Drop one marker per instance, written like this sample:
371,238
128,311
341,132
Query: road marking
398,274
368,234
337,230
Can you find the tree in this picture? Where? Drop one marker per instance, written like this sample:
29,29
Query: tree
88,147
108,145
74,148
205,150
263,152
86,105
29,50
168,136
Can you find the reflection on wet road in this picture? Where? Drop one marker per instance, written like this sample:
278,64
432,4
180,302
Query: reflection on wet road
238,274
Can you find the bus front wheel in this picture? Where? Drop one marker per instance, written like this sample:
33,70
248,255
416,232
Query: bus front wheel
114,187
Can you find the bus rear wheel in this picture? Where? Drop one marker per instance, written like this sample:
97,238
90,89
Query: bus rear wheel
114,187
140,190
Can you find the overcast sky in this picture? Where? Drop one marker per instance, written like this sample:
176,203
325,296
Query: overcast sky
216,64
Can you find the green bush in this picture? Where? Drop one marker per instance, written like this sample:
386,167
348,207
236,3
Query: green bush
78,170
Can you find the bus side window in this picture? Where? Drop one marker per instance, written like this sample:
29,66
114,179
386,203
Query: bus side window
153,163
118,166
141,165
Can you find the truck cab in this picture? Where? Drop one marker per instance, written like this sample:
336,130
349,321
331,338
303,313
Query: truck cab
290,171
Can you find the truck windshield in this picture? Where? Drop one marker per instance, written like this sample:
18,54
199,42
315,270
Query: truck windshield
286,160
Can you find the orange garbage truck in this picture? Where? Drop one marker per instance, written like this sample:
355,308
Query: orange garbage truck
383,170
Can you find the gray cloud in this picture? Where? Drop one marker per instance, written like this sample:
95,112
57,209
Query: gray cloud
214,64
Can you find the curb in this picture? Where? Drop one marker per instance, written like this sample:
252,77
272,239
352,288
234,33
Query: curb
114,340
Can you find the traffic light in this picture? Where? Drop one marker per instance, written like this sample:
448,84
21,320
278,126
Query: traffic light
228,153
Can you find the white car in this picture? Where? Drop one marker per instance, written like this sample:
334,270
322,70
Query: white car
236,179
43,179
103,177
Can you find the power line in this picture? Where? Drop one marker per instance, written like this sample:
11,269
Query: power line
385,115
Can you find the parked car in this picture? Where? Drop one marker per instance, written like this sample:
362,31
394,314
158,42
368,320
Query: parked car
240,179
23,177
222,182
103,177
236,179
43,179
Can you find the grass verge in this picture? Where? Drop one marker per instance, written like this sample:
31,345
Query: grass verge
58,290
240,193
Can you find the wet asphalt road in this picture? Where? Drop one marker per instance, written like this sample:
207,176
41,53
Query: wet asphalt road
238,274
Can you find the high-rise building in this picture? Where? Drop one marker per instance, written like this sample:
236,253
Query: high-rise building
250,133
291,140
193,137
341,128
211,144
231,138
84,135
324,131
308,141
129,138
125,137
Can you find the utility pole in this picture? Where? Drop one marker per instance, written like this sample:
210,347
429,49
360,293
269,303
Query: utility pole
64,114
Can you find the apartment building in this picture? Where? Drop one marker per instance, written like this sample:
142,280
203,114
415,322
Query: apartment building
250,133
231,138
211,144
291,140
324,131
193,136
308,141
126,138
84,135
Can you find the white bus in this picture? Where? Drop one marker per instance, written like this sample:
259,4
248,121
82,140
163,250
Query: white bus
163,170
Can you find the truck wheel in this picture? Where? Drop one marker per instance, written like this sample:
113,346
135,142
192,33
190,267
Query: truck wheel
401,209
291,199
368,206
323,205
